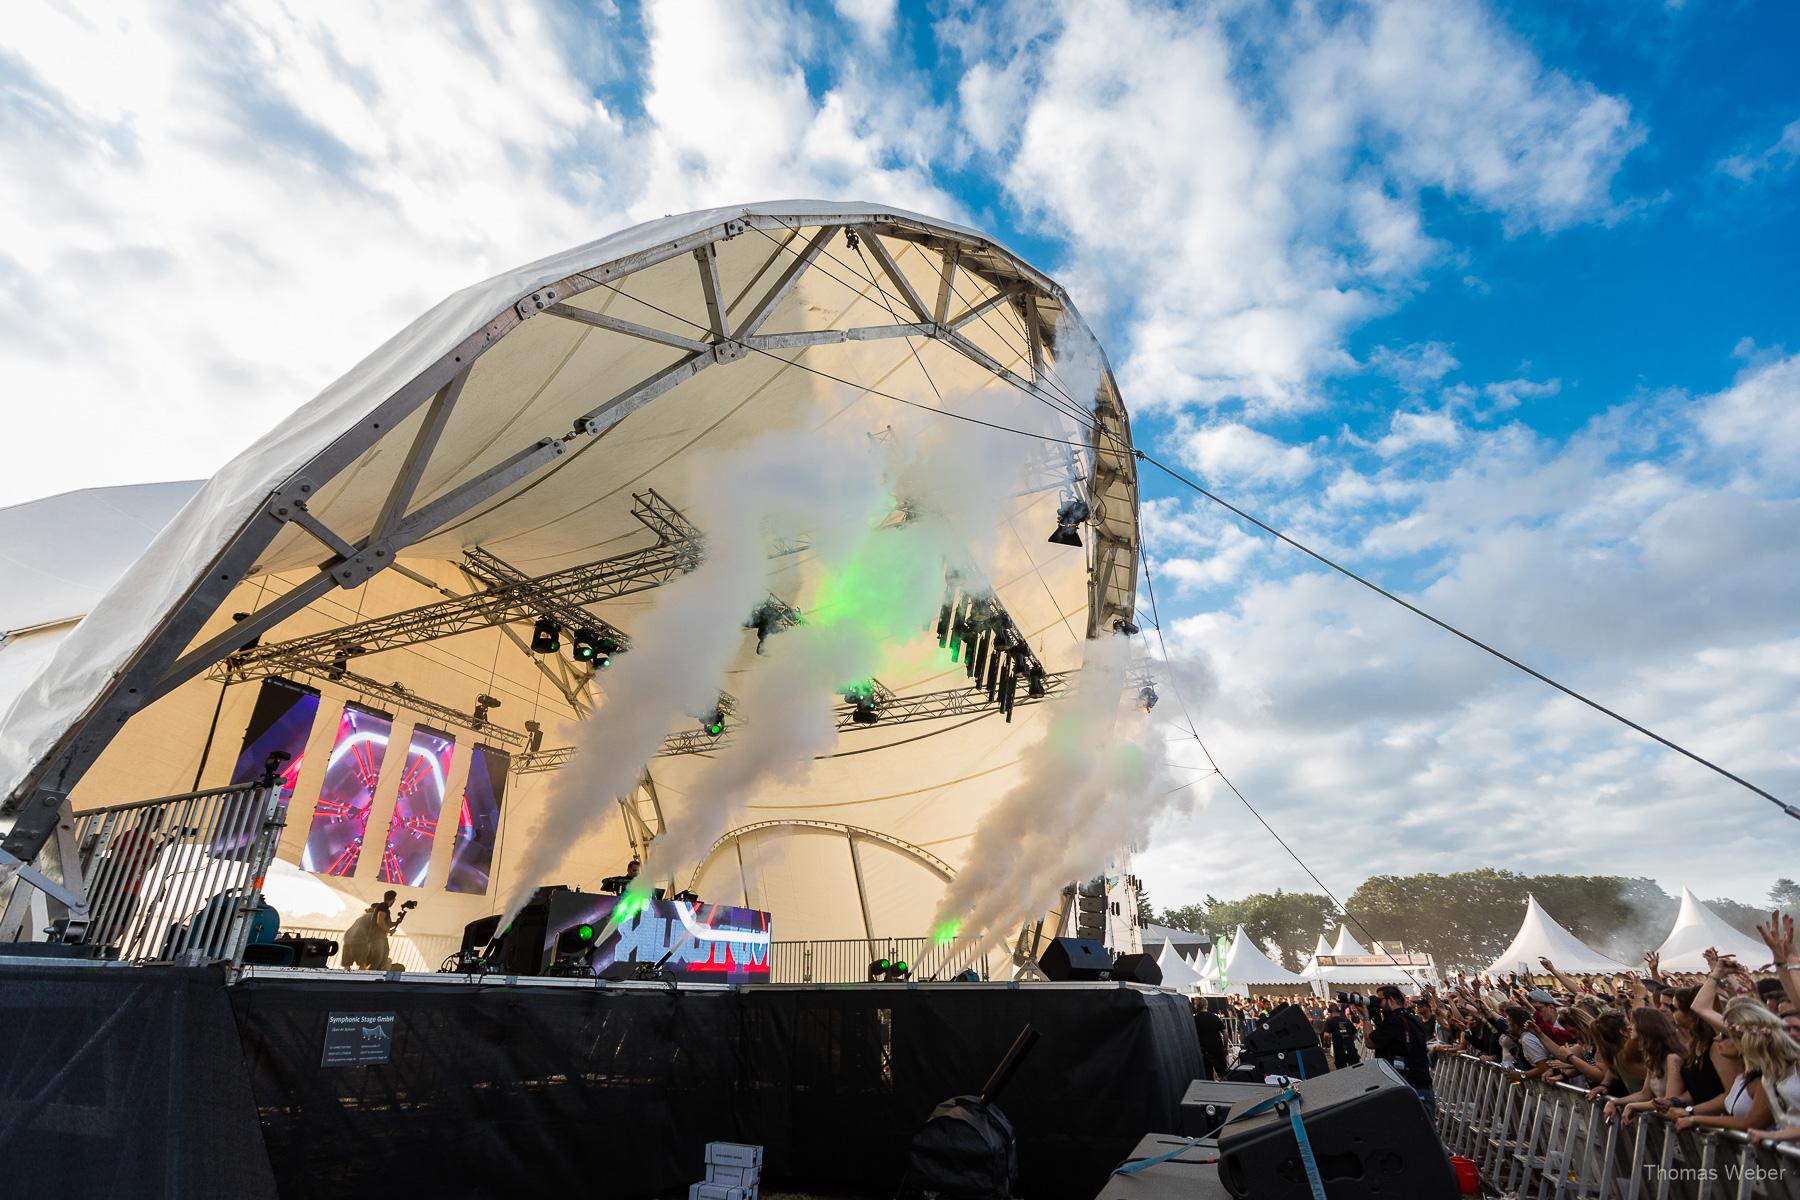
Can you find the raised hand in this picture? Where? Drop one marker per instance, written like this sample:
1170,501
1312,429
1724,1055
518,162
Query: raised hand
1778,935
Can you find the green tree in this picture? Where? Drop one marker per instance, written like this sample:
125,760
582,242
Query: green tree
1289,920
1785,894
1189,917
1145,913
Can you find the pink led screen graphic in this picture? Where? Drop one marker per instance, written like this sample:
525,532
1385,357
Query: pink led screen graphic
478,826
407,856
341,818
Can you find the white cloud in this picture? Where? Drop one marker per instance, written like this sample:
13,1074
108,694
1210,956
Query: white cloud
1411,430
1232,451
1249,183
873,18
1758,417
1414,367
1778,156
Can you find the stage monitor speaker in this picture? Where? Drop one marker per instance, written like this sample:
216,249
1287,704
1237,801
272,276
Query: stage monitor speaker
1138,968
1076,960
1286,1028
478,933
1191,1174
1369,1135
309,951
1207,1103
1306,1063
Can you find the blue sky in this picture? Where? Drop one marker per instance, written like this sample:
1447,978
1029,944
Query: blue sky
1497,301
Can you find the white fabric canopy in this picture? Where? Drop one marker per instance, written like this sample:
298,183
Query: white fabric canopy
1176,971
1312,968
1247,967
1540,936
1372,975
1698,927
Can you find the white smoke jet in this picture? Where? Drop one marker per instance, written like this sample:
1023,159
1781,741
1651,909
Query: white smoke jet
687,639
1090,787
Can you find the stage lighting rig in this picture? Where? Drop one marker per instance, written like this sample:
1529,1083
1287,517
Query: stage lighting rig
884,970
546,636
484,704
714,722
1147,698
771,617
862,699
534,740
1069,518
591,646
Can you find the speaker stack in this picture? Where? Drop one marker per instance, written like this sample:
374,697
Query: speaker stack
1077,960
1208,1104
1368,1133
1138,968
1282,1043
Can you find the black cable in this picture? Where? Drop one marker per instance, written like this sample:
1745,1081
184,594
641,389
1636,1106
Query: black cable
1789,809
1150,589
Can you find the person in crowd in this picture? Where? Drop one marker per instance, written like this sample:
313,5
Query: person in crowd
1765,1098
1663,1051
1400,1040
1211,1032
1340,1033
1711,1068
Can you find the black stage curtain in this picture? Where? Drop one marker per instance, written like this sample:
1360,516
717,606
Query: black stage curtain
124,1082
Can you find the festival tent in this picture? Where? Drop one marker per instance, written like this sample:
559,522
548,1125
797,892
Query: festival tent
1698,927
1208,970
1248,969
1177,972
1540,936
547,447
1312,967
1365,975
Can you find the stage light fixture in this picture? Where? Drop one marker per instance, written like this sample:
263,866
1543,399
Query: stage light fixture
714,724
534,740
1069,518
586,647
1126,626
898,970
862,696
878,970
1147,698
1034,683
484,704
546,636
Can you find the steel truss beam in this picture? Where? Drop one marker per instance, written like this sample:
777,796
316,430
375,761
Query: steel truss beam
855,833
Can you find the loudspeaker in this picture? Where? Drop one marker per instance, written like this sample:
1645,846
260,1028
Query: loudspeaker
1307,1063
1192,1174
1207,1104
1138,968
309,951
1074,960
1286,1028
1369,1135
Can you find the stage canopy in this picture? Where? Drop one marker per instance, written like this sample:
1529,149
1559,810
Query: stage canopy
1698,927
538,446
1540,936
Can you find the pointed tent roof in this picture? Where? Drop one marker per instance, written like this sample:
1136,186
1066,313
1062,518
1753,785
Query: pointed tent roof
1208,970
1311,970
1247,965
1698,927
1540,936
1346,943
1348,947
1176,973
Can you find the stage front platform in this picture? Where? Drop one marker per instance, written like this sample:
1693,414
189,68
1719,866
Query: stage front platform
165,1082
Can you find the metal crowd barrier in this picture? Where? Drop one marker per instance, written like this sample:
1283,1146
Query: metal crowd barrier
1531,1139
846,960
175,879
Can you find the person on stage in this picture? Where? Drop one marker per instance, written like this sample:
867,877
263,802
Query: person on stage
366,941
1211,1031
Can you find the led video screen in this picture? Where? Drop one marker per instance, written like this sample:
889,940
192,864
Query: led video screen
341,818
478,828
406,858
281,722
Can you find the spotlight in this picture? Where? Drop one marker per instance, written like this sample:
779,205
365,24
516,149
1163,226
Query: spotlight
898,970
1126,626
1068,521
1147,698
607,647
586,647
878,970
1034,683
546,636
888,970
714,724
338,667
863,697
766,620
484,704
535,739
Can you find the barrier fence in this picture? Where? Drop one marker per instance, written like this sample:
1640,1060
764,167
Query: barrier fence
846,960
173,879
1532,1139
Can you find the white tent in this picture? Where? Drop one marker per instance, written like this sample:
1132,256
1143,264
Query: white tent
1698,927
1353,975
1208,970
1177,973
571,414
1312,968
1540,936
1248,969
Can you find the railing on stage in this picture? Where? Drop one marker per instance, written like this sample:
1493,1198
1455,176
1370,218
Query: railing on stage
175,879
1536,1139
846,960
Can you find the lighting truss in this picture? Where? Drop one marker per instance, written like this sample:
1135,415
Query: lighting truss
376,692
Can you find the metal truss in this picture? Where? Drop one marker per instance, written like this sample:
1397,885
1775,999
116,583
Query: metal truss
511,597
734,330
855,833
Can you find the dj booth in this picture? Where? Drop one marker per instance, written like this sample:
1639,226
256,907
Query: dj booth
566,932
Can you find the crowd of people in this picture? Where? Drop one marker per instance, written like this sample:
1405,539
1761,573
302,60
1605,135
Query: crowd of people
1717,1050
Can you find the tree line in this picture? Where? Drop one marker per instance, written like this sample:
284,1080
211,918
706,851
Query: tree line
1464,920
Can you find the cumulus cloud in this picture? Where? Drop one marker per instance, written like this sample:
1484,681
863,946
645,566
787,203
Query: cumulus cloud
1234,451
1774,158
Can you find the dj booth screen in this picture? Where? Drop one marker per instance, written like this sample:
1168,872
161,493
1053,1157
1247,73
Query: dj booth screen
407,856
341,818
705,943
478,828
